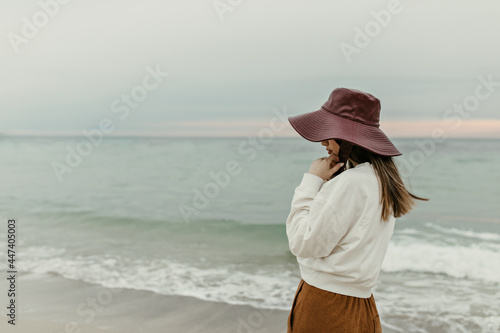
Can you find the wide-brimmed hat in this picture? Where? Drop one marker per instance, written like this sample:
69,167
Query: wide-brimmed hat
350,115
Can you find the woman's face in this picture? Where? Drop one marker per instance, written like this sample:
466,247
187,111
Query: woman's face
331,146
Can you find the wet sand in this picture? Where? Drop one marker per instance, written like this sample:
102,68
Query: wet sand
59,305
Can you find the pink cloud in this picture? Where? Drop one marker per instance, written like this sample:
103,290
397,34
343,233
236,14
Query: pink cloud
487,128
464,129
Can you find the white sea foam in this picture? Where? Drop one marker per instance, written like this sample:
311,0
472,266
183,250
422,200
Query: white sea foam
259,288
487,236
276,290
475,261
224,284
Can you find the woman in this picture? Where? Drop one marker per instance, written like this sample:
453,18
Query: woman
342,215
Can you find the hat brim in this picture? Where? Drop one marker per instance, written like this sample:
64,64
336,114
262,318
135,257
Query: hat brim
322,125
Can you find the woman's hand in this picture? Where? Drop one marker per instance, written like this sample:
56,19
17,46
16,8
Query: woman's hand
325,167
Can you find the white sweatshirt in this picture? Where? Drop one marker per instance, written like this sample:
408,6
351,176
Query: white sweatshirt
335,230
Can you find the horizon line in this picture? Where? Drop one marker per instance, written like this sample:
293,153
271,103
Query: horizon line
141,136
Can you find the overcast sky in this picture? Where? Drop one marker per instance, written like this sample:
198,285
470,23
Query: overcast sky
228,68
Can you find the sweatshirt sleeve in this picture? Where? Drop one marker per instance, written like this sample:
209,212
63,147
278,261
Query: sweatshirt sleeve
313,226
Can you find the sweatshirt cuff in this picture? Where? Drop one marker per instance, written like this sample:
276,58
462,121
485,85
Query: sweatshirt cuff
312,182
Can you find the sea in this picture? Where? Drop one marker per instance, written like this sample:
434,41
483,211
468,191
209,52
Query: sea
205,217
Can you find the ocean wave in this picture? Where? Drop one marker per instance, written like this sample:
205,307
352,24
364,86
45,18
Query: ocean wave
274,289
224,284
487,236
476,261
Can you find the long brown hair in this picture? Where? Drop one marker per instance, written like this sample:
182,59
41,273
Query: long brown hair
395,198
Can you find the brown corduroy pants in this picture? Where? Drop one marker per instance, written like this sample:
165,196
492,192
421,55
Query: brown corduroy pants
316,310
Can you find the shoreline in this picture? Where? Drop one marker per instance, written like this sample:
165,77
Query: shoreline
59,305
52,304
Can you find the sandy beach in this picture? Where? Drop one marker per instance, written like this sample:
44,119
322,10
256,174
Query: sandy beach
28,326
61,305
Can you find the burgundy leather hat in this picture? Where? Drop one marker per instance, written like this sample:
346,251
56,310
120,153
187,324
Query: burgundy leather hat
350,115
